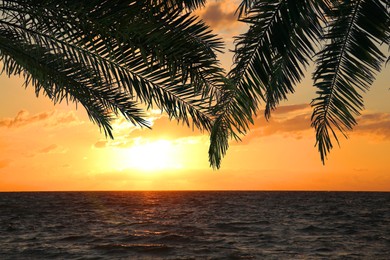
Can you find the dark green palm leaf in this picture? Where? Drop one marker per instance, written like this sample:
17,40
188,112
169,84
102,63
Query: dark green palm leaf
269,59
61,79
110,55
180,4
346,66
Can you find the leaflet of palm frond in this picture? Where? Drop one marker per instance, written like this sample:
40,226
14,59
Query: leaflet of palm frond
275,51
61,79
346,66
116,62
245,6
231,120
388,39
176,41
194,58
271,56
197,44
190,5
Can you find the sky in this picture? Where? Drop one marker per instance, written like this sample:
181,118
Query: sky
46,147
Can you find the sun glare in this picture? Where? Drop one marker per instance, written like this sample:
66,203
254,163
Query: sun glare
151,156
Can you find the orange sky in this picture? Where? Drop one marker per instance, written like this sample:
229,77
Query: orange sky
47,147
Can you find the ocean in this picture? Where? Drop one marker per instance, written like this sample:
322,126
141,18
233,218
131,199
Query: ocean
195,225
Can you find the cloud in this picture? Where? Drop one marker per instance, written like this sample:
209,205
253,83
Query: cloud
295,121
295,124
292,109
118,142
374,124
291,120
162,128
100,144
48,118
48,149
219,15
64,118
287,121
23,118
51,149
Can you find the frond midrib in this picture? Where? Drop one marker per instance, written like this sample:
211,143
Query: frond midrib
227,106
117,65
337,69
258,44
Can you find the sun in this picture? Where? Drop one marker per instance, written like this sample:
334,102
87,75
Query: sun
153,156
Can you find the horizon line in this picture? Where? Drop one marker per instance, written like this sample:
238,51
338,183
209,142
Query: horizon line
205,190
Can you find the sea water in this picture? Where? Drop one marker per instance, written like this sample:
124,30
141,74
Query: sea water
195,225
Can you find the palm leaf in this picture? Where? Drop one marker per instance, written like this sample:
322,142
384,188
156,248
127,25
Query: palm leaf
346,66
116,52
180,4
270,59
61,79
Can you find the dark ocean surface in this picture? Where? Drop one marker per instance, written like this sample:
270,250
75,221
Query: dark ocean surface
195,225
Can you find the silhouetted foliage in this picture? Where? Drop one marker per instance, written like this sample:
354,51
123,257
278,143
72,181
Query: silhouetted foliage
341,37
113,55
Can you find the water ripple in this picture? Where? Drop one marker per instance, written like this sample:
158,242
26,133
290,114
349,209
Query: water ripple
195,225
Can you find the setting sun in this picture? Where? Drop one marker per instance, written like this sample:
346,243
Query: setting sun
195,129
151,156
49,148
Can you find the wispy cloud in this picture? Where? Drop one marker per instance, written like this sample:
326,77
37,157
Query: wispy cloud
48,118
101,144
296,108
220,15
162,128
287,121
374,124
51,149
295,120
118,142
24,118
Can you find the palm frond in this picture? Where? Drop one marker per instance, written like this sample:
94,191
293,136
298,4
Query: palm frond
232,119
190,5
346,66
121,52
61,79
270,57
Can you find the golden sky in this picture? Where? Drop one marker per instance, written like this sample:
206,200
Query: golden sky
47,147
